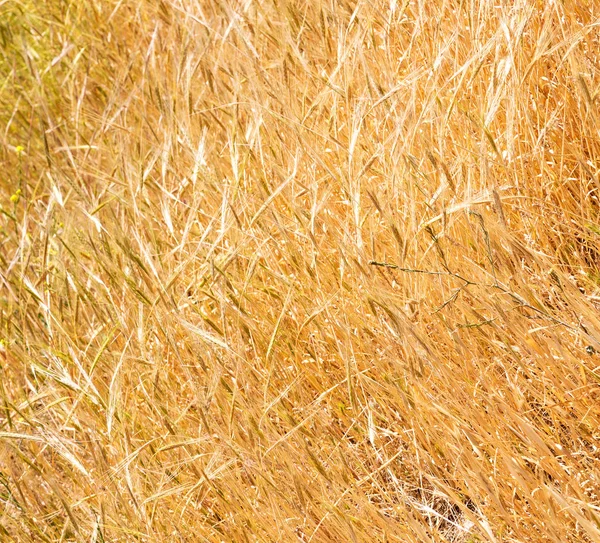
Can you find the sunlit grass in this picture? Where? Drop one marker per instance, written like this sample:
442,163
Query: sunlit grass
299,271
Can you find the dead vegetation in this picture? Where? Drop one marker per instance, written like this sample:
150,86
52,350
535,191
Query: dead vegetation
288,270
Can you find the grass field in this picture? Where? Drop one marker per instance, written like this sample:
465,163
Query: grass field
300,271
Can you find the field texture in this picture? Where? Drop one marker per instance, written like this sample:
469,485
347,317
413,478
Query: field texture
300,271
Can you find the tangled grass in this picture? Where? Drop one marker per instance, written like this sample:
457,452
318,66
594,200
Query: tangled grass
291,270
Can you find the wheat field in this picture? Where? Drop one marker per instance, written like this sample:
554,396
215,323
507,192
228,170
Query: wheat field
300,271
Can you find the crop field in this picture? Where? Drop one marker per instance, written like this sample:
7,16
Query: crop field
300,271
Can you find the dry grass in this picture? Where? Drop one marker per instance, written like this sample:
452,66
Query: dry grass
291,270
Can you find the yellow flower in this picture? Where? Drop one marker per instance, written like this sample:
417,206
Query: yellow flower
16,196
19,149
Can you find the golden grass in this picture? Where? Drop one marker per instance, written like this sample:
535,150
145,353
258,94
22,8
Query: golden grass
291,270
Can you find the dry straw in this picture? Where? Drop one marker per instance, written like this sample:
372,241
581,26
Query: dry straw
296,270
